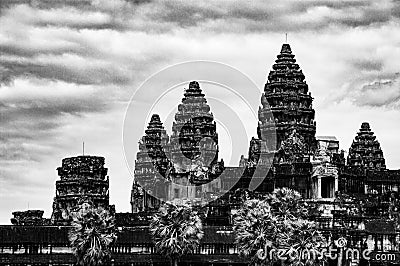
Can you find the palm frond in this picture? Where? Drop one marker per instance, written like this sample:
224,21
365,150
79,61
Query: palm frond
277,222
91,235
176,230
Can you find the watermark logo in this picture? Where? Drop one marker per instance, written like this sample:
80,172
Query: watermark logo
179,155
341,242
333,252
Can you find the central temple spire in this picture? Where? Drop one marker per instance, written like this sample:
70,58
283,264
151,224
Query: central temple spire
289,99
286,107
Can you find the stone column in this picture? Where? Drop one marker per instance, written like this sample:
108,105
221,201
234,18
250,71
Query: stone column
319,187
336,188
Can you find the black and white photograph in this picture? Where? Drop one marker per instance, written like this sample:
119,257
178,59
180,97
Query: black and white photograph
200,133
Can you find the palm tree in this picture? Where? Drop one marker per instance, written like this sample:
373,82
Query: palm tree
91,235
274,230
286,203
256,231
176,230
302,243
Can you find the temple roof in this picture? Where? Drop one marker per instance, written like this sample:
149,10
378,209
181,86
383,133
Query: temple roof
194,104
327,138
194,107
285,67
286,49
155,125
155,121
365,151
193,90
155,137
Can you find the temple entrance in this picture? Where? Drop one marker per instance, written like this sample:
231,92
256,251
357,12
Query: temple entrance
328,187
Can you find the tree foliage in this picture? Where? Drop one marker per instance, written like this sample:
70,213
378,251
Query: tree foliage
92,233
176,230
286,204
274,230
255,229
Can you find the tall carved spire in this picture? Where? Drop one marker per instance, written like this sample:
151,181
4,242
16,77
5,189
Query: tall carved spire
286,93
194,132
190,154
151,162
286,114
365,151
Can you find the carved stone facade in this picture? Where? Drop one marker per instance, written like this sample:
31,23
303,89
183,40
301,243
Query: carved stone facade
194,139
365,151
151,165
82,178
286,107
29,217
286,128
165,165
327,162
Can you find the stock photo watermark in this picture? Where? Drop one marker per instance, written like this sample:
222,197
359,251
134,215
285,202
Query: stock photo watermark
191,167
337,251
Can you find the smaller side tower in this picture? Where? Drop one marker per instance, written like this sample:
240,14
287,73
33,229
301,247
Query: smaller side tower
151,165
82,179
365,151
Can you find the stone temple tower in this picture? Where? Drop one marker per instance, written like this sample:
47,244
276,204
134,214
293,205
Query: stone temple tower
151,162
286,110
82,179
365,151
189,156
194,137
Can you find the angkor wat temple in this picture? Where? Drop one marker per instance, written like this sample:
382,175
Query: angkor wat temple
354,197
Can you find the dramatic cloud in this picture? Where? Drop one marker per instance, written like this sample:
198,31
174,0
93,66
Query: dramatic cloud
32,113
384,92
368,64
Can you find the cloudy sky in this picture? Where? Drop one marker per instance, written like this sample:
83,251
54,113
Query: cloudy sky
69,68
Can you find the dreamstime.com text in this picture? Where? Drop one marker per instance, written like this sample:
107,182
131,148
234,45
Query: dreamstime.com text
323,253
